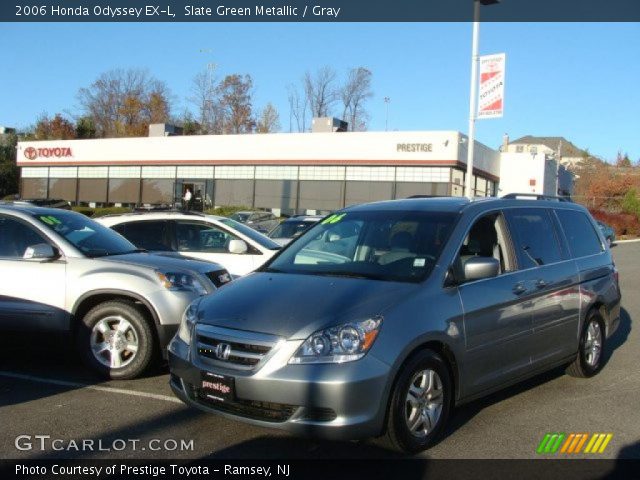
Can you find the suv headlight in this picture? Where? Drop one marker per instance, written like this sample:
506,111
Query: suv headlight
189,318
343,343
181,281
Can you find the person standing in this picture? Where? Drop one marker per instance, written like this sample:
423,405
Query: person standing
187,199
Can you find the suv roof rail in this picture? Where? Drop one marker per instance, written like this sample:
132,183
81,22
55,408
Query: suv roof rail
536,196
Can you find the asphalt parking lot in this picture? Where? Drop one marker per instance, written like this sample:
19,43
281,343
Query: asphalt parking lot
44,390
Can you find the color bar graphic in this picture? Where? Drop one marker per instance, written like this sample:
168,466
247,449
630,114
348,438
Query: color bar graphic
573,443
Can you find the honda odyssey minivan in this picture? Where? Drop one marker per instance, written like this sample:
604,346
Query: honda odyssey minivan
383,317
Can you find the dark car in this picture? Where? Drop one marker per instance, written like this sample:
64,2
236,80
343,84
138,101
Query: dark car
292,228
260,221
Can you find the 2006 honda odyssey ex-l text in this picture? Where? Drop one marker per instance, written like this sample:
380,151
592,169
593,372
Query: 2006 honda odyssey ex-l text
383,317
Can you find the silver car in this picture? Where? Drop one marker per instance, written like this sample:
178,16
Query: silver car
62,271
383,317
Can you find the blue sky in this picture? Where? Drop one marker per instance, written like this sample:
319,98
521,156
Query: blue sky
577,80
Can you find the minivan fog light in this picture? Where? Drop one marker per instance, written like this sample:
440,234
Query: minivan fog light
342,343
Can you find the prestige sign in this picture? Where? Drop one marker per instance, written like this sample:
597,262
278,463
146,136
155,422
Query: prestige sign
414,147
31,153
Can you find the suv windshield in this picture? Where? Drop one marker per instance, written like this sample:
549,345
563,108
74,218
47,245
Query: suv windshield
254,235
382,245
88,236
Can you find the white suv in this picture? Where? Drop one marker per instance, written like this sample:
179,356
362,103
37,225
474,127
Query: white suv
62,271
237,247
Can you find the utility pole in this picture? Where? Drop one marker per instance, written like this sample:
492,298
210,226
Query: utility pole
386,121
474,91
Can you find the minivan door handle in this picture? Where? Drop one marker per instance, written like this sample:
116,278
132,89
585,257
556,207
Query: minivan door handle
519,288
541,284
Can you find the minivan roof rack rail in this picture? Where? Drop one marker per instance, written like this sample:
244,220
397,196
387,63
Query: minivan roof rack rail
536,196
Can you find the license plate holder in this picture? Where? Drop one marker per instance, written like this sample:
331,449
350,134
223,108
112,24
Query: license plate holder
216,387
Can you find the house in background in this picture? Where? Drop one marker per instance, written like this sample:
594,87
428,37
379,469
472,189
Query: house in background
570,155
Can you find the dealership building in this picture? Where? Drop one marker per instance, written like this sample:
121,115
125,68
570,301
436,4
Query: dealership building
282,172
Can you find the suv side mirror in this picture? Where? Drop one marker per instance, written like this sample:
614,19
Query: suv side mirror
41,251
477,268
237,246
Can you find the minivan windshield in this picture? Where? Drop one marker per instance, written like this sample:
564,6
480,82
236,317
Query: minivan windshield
88,236
381,245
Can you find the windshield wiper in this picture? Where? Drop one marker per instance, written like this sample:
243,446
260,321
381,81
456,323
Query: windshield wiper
271,270
340,273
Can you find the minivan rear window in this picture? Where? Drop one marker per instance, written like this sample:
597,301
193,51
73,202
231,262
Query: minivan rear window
580,232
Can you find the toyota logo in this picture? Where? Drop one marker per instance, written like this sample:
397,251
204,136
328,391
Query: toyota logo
30,153
223,351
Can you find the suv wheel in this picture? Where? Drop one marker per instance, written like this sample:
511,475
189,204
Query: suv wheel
116,340
588,362
420,403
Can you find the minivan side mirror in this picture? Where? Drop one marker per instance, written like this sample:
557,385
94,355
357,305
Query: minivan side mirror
40,251
238,246
477,268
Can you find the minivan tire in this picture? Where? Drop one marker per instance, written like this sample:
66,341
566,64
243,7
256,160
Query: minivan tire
581,367
123,327
401,409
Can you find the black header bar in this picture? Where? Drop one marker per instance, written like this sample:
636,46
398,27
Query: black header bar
317,11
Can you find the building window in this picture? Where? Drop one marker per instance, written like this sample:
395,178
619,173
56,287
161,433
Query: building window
519,149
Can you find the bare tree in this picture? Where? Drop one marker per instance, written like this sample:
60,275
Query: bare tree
269,121
320,91
354,94
124,102
204,97
235,99
297,108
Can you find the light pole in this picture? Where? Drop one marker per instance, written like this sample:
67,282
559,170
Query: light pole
386,121
474,90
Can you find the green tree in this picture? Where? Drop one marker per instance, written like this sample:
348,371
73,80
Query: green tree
631,203
85,128
9,172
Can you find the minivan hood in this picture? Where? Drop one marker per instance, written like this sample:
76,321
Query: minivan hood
165,262
294,306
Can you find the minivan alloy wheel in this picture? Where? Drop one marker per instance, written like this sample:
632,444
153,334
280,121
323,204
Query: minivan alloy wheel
424,402
114,342
593,343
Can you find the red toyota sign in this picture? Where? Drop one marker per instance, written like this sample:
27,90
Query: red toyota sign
32,153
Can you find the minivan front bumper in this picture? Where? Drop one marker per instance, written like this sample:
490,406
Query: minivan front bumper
335,401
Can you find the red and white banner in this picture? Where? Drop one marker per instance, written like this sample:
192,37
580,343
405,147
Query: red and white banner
491,94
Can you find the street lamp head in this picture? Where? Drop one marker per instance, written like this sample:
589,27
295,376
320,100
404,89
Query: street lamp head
489,2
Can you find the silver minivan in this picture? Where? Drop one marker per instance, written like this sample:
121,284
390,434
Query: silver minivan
383,317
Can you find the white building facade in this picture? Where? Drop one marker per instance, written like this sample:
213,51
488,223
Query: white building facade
286,172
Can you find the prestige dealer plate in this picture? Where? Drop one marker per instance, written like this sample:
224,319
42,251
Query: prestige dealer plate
217,387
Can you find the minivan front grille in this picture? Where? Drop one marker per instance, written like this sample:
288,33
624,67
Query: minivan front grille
232,348
265,411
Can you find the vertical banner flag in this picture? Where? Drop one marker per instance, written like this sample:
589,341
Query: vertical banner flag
491,101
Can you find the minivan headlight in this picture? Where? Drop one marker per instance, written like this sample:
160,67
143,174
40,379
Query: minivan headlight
188,321
181,281
343,343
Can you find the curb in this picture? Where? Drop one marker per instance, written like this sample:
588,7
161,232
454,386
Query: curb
627,241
